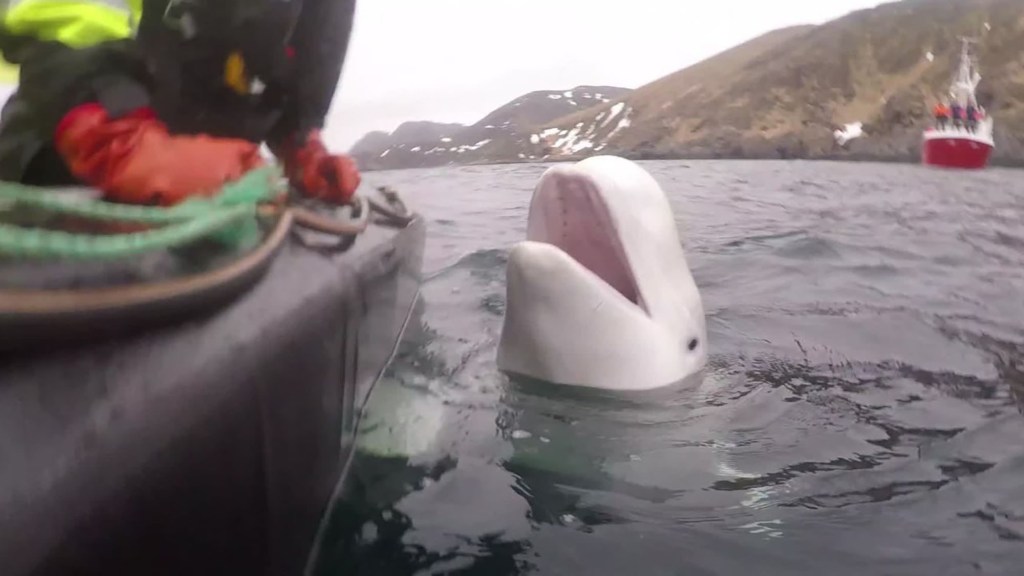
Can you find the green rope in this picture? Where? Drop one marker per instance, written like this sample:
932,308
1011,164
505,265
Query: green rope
229,217
252,188
36,243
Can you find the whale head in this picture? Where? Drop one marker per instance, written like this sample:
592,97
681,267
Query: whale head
600,293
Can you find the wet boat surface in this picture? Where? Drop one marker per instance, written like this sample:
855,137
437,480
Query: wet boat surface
210,446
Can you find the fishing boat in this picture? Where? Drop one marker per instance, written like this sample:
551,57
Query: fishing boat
180,387
961,142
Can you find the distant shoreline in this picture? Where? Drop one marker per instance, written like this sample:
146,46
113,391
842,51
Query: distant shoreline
853,159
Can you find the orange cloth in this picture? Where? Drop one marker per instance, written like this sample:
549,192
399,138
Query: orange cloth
134,160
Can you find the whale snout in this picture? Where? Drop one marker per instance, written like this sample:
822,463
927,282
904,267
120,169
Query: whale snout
599,294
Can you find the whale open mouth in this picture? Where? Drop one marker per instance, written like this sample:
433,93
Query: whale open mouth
574,217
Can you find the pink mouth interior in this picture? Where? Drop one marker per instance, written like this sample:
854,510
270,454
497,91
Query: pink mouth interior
575,218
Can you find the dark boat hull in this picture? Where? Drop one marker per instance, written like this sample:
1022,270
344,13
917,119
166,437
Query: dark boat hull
209,447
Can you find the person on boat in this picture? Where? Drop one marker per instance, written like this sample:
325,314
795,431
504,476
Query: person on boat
154,101
941,112
957,113
972,118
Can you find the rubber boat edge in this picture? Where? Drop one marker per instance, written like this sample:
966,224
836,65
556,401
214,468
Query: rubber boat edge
211,446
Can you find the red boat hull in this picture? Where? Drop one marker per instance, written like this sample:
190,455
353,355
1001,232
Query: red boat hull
955,152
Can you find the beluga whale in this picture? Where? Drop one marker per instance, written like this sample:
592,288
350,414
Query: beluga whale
600,294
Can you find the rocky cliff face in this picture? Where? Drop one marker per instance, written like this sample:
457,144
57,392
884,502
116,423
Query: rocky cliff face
501,136
791,92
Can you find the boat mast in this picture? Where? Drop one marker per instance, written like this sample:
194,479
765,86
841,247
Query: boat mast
967,76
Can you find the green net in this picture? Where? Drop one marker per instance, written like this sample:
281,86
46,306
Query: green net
228,217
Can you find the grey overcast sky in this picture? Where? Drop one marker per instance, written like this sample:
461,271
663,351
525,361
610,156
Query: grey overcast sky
456,60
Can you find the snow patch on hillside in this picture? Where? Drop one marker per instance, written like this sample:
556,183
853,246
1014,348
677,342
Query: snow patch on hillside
572,141
849,132
614,111
471,147
623,124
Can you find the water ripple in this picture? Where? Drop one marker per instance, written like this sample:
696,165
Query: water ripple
860,413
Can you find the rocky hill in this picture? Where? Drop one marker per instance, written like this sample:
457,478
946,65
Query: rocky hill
407,134
788,93
503,135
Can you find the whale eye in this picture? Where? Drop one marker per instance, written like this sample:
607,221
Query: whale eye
693,344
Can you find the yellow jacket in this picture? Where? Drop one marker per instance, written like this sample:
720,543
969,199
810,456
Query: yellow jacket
74,23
